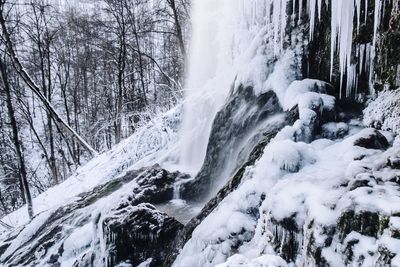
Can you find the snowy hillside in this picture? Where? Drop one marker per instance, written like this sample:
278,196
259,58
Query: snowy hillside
284,152
151,144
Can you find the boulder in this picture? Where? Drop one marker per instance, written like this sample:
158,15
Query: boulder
373,139
136,233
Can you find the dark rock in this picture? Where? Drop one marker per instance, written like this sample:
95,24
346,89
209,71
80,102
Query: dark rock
348,251
136,233
366,223
285,238
385,256
375,140
363,181
349,109
388,49
314,251
394,161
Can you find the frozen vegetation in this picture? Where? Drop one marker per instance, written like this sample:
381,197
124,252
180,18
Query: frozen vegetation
263,164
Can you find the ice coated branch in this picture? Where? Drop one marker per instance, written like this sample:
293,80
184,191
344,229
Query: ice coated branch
35,88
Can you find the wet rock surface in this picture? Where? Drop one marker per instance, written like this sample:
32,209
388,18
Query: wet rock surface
232,125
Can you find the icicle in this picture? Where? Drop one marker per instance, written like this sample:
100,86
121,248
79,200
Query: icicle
275,22
361,54
319,9
377,19
358,5
351,79
283,20
293,11
334,15
312,5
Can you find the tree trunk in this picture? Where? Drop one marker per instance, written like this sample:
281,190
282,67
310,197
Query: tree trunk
17,144
178,27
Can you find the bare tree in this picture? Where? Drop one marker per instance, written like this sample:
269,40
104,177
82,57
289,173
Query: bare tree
35,88
22,168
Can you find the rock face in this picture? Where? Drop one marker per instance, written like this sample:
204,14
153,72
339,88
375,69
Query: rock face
135,233
242,120
128,229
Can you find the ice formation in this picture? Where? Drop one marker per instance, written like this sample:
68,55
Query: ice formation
239,31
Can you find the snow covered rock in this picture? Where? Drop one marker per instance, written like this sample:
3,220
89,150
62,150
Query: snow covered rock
394,161
333,130
372,139
384,113
83,231
136,233
262,261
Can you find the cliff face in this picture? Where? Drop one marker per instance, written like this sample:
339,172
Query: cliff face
299,169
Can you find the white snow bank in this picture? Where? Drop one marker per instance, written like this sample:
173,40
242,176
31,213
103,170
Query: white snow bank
298,88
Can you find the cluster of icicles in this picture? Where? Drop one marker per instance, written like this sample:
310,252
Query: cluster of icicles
344,13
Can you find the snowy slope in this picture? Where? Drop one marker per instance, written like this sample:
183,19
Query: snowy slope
150,144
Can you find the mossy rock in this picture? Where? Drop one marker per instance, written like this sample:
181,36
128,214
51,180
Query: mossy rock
365,222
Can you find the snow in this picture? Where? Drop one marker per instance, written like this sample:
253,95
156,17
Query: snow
288,155
26,234
296,177
298,88
153,143
241,39
262,261
143,264
383,112
318,170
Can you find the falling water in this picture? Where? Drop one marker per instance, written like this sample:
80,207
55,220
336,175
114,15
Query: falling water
222,32
177,192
